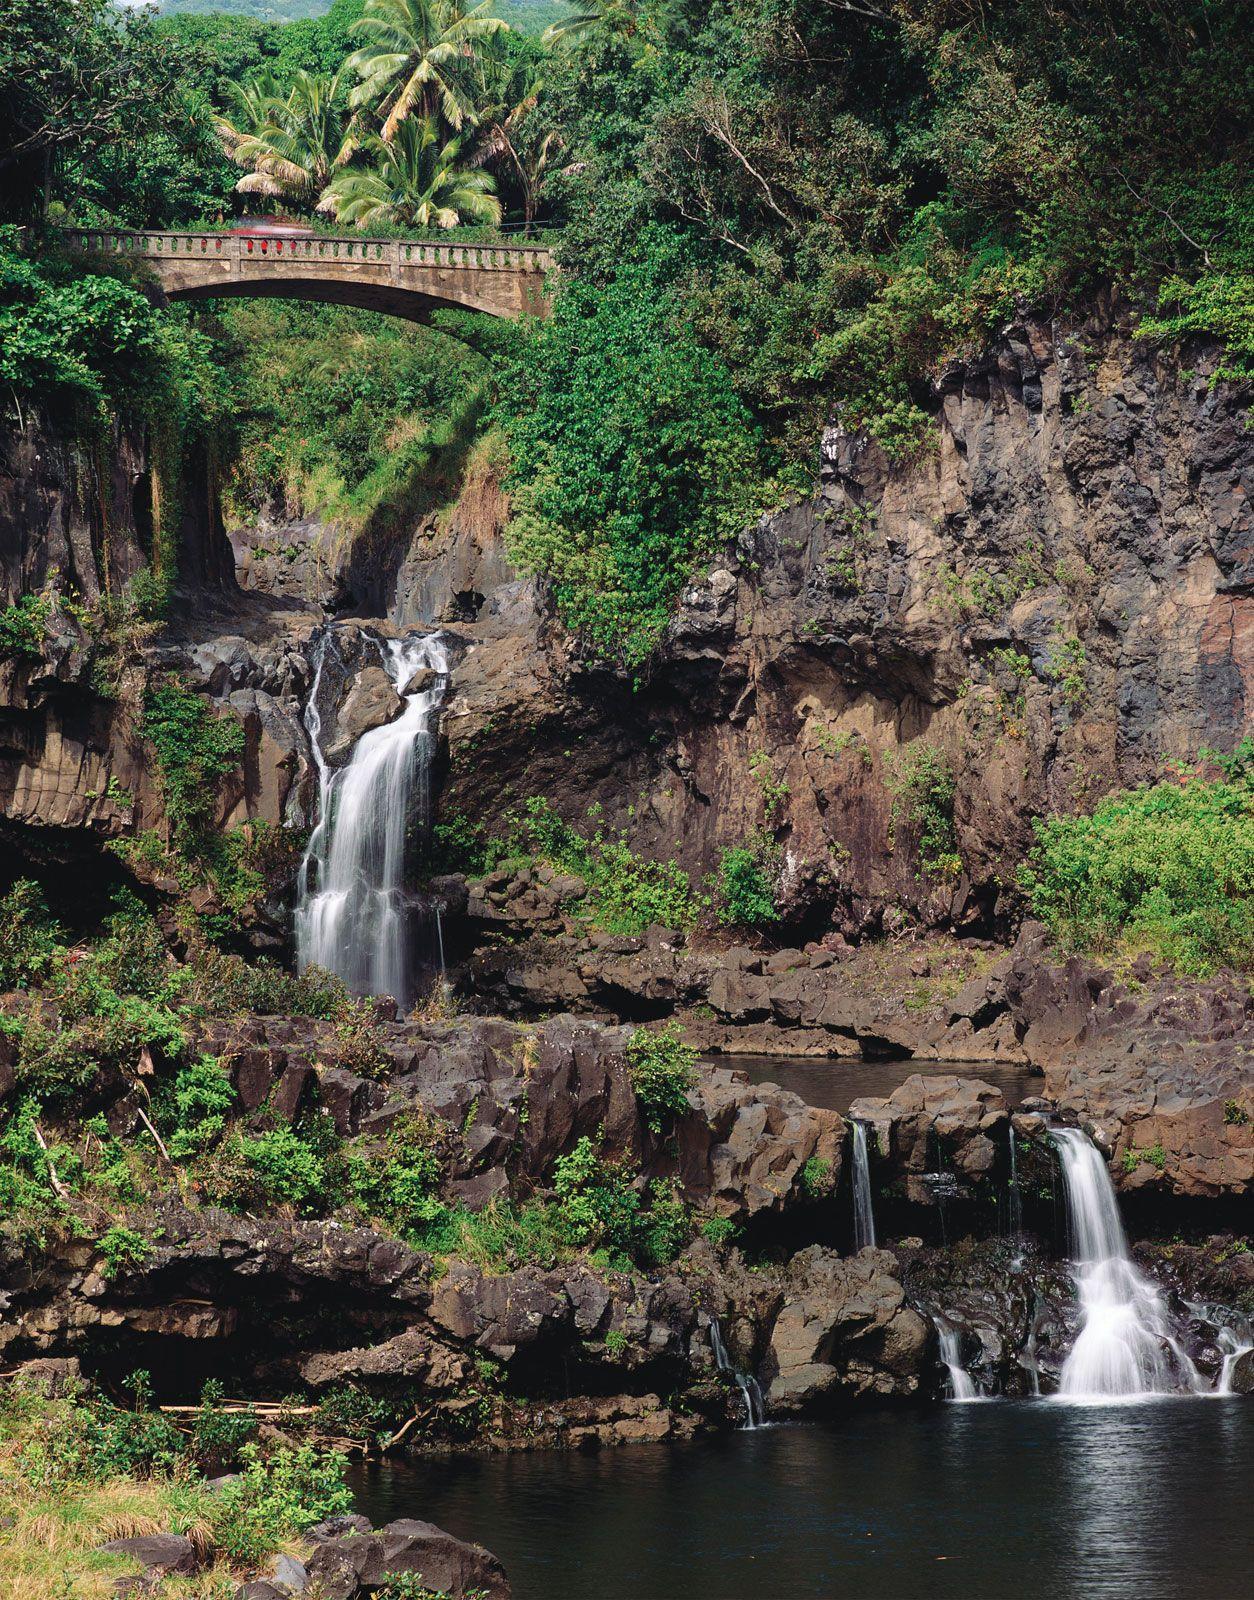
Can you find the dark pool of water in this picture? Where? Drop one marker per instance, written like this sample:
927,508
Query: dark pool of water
978,1502
827,1081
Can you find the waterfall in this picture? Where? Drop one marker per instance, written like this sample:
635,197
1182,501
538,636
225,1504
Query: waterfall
1125,1346
1233,1343
353,916
750,1389
863,1215
1015,1206
960,1382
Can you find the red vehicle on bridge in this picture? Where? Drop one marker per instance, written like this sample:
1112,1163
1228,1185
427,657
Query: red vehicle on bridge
272,228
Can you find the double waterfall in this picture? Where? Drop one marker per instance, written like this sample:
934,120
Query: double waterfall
354,916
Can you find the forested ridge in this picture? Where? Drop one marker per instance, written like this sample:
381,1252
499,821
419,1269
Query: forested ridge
768,213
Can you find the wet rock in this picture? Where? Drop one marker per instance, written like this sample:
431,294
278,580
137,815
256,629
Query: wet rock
927,1120
371,702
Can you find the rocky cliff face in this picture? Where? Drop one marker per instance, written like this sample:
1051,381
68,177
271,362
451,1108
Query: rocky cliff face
1054,596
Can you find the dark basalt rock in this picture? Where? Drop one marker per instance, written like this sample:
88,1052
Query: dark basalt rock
160,1554
348,1565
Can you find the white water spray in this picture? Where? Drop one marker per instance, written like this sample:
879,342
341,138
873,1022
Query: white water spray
863,1214
353,916
961,1384
750,1389
1125,1347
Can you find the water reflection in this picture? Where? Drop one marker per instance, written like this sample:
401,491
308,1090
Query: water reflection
974,1502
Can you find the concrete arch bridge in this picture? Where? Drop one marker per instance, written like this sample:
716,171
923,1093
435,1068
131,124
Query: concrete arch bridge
405,277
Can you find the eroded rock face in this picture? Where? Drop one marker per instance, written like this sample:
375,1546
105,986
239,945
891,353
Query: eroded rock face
844,1331
521,1096
1162,1073
1086,502
929,1121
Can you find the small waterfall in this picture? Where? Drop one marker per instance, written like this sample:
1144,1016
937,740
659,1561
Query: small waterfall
1125,1346
750,1389
1015,1206
863,1214
961,1385
353,916
1234,1342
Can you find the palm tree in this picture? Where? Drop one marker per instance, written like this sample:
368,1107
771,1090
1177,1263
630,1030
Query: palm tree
413,57
512,136
619,16
250,110
417,181
296,142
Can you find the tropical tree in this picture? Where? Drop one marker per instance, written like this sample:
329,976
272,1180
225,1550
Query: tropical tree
513,137
414,59
293,143
419,180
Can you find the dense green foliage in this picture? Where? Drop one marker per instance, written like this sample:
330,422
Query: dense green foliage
633,457
358,417
1167,868
771,211
661,1066
745,883
83,342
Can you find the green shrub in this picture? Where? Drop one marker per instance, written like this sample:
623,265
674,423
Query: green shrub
121,1248
277,1497
195,1107
745,883
1168,867
816,1178
661,1066
32,938
633,458
598,1208
277,1167
22,626
626,893
921,782
195,750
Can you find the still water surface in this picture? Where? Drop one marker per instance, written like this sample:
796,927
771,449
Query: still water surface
834,1083
993,1501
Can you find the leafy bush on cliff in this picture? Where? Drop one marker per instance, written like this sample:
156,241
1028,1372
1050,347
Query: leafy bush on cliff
1167,867
632,456
746,883
626,893
661,1066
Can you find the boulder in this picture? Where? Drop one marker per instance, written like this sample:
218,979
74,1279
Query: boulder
371,702
844,1330
343,1567
159,1554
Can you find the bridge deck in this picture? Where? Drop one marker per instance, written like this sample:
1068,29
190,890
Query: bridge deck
403,276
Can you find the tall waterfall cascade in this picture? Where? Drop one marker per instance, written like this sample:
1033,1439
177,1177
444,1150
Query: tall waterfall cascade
1125,1348
863,1214
354,916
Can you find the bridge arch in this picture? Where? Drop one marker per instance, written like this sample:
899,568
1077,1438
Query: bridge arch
404,277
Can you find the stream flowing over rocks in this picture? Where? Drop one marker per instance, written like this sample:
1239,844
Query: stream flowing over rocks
938,1243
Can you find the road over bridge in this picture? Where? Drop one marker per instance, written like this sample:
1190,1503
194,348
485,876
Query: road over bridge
406,277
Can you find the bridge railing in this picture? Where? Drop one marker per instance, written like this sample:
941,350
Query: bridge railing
259,249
